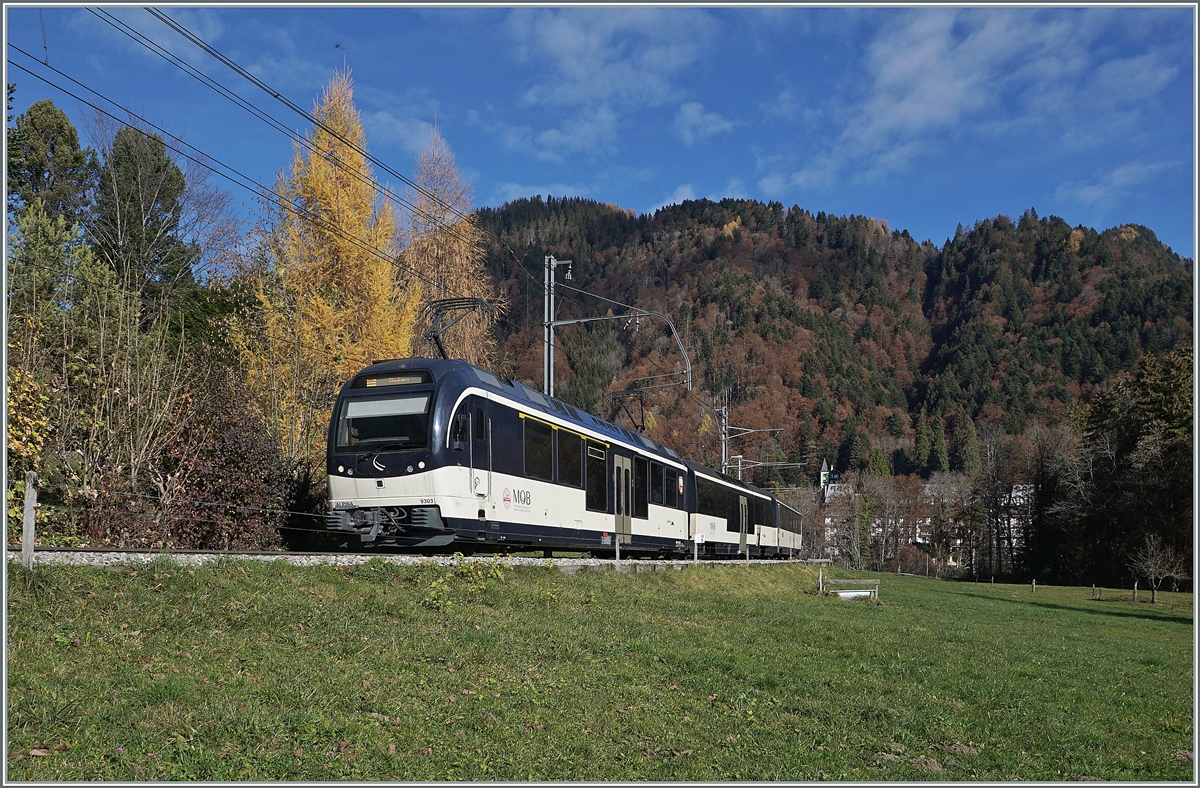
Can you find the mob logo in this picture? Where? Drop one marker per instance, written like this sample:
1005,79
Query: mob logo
507,498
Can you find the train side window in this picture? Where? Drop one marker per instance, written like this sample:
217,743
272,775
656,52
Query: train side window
656,483
539,450
711,498
763,513
570,459
480,427
461,429
641,470
669,487
597,478
732,515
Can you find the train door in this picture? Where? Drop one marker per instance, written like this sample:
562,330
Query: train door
743,522
481,453
623,489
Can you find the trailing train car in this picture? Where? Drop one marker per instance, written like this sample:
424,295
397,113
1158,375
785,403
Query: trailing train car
436,454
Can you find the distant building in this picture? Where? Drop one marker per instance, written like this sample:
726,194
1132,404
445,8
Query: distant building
837,504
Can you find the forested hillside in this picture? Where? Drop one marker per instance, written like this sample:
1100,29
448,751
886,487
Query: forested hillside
839,327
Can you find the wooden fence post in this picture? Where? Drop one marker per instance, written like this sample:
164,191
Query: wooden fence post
1033,586
1135,590
31,481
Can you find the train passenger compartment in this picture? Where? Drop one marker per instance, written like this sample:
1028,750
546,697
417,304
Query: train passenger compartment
427,452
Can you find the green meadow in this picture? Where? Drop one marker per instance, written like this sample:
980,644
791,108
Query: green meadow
263,671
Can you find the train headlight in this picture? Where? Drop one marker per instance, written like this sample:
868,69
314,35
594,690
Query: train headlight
421,465
409,469
349,471
341,469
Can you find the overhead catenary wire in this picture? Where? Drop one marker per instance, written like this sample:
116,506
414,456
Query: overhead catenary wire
300,139
384,166
202,159
241,71
249,183
245,74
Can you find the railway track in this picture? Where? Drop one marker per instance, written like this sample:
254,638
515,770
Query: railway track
116,556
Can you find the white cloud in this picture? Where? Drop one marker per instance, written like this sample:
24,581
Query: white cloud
693,123
292,74
995,72
608,56
594,65
205,23
785,106
681,193
736,189
928,75
773,185
1105,191
507,192
409,134
1132,79
593,130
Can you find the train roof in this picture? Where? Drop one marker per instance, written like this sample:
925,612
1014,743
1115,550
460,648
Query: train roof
529,397
704,469
440,368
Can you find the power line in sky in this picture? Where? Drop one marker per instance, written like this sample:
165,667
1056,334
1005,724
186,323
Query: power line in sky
300,139
225,171
245,74
245,181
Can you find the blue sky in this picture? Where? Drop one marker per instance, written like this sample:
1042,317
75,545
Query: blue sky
927,117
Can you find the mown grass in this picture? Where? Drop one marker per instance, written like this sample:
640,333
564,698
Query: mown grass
250,671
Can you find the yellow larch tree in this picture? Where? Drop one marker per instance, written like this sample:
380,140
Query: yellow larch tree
444,248
328,290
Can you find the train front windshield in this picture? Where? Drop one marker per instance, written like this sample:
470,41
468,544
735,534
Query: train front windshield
398,422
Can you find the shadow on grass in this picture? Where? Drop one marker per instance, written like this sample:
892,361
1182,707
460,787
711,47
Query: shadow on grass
1150,614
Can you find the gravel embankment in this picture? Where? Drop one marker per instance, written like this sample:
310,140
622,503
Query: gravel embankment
569,565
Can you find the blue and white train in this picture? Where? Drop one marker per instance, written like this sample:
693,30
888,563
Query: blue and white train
432,454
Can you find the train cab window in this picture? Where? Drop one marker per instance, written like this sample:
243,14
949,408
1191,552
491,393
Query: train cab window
656,483
597,477
570,459
641,473
395,422
539,450
670,487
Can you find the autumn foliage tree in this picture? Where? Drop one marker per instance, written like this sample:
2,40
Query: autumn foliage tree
327,293
445,252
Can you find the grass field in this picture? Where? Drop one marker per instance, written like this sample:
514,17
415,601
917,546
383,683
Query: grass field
252,671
